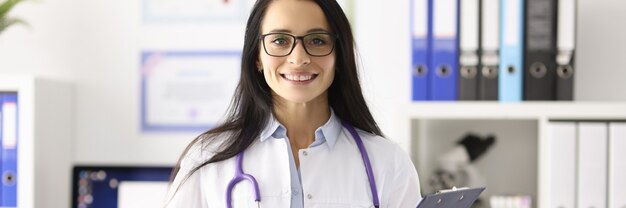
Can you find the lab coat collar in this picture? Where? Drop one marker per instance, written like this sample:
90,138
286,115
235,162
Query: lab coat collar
327,133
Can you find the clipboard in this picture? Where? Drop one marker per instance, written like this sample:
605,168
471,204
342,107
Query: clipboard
451,198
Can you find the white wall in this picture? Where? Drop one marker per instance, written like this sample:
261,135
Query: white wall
96,45
383,40
107,81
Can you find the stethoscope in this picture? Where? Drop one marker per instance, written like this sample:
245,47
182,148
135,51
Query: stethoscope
240,175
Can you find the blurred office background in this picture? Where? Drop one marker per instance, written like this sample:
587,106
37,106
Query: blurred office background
97,45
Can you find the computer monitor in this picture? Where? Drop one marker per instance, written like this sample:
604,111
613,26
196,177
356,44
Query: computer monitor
119,187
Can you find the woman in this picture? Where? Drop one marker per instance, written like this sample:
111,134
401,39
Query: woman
292,115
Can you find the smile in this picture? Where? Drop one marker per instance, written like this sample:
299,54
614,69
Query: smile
305,77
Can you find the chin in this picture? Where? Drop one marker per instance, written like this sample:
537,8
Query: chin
300,97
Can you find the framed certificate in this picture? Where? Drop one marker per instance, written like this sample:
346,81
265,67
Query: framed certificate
186,91
193,10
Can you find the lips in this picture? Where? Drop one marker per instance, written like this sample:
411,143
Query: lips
299,77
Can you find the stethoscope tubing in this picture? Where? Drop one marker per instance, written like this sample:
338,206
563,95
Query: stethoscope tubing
240,175
366,162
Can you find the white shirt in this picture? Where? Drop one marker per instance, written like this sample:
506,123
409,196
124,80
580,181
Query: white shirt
331,177
326,134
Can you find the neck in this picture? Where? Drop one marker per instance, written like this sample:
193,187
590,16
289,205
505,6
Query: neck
302,119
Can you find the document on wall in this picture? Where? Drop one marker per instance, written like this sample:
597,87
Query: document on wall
193,10
186,91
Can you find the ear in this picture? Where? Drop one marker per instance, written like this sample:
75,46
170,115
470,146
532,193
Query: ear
259,66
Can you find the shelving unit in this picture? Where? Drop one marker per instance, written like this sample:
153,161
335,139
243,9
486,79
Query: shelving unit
44,145
518,163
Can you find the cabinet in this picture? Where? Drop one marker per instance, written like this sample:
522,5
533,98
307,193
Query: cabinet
44,144
518,162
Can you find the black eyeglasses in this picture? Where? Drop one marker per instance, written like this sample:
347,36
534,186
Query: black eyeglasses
282,44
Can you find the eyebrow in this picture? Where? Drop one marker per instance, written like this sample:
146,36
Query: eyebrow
289,31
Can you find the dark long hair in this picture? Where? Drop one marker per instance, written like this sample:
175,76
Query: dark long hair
252,103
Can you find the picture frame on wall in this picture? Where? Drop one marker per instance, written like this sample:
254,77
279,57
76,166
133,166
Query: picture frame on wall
186,90
168,11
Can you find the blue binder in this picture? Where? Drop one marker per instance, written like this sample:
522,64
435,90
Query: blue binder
419,50
443,35
511,50
1,133
9,138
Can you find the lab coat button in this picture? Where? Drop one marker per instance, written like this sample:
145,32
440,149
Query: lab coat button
305,153
309,196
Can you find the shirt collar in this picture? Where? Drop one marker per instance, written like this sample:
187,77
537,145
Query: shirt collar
273,128
327,133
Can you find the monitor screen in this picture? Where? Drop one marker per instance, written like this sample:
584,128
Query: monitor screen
119,187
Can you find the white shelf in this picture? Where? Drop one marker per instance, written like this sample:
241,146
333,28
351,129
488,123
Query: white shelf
522,152
520,110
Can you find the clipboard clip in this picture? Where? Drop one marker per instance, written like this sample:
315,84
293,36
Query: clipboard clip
454,188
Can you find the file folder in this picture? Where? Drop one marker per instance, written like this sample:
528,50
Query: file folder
420,50
566,46
490,57
459,198
562,164
511,50
592,164
540,50
469,39
444,49
468,83
1,132
617,166
9,138
489,82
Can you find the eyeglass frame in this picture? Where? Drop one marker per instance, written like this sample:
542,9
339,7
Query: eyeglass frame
301,38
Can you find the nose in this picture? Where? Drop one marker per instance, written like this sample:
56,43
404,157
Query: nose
299,56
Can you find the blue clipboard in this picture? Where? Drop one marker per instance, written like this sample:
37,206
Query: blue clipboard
455,198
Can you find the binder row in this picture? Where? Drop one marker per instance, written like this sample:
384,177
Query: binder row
9,141
506,50
586,163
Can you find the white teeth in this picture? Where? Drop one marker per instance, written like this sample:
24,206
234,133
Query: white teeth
298,77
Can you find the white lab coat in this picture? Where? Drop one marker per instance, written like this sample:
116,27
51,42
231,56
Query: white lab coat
330,178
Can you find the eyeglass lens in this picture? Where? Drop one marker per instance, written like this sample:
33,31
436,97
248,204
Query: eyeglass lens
315,44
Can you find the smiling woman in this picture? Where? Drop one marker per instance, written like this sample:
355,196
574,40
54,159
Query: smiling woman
283,74
300,118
